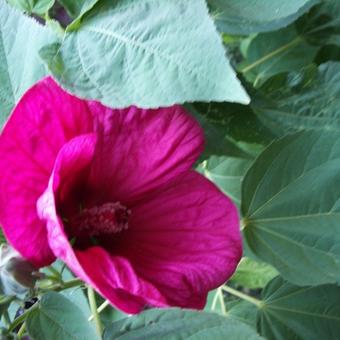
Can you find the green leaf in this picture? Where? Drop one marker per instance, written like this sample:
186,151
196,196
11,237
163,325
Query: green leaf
321,25
291,207
291,312
245,17
149,53
314,105
272,53
238,122
58,318
216,140
253,274
227,173
182,324
244,311
223,124
20,66
77,8
5,302
39,7
110,314
76,294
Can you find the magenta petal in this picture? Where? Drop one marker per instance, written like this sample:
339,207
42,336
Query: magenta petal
40,124
185,240
115,279
140,150
111,276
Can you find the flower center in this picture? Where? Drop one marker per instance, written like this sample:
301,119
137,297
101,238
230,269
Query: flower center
109,218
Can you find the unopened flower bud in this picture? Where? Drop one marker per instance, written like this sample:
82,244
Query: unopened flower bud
16,273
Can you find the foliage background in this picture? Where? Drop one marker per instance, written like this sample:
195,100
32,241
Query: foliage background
263,79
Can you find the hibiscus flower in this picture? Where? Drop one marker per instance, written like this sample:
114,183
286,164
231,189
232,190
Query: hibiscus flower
112,193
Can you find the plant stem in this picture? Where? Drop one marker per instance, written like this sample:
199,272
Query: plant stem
223,307
214,302
54,272
21,331
62,269
71,283
100,309
64,285
271,54
258,303
93,307
19,320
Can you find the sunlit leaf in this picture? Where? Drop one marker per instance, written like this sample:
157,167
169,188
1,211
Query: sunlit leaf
244,16
20,66
149,53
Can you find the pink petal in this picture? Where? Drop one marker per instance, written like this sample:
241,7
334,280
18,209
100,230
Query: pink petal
115,279
44,119
140,150
111,276
185,240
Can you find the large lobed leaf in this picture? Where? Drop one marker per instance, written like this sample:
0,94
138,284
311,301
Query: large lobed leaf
291,207
296,313
149,53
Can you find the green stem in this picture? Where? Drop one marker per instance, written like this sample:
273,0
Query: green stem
223,307
21,331
258,303
19,320
64,285
62,269
214,302
100,309
93,307
271,54
54,272
72,283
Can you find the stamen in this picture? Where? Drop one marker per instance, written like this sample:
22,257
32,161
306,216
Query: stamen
108,218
